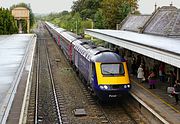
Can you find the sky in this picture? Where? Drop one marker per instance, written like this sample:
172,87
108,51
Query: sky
46,6
147,6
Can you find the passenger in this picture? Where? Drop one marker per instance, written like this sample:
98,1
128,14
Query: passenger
146,73
152,80
140,74
162,72
177,90
143,63
133,65
143,66
138,61
175,72
171,79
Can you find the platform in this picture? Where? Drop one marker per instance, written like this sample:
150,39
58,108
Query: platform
158,101
15,51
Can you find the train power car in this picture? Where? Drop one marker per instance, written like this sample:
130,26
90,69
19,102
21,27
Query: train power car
104,71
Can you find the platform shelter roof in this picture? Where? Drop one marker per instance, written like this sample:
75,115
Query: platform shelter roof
157,47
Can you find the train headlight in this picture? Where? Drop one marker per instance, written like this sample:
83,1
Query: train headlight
125,86
128,86
105,87
101,87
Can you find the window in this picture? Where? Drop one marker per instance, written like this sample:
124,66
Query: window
112,69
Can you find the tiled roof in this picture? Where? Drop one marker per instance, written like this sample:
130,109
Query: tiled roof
134,22
165,21
162,21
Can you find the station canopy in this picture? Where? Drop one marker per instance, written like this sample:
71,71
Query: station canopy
156,36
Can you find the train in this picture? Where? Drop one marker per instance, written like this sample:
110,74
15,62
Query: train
104,71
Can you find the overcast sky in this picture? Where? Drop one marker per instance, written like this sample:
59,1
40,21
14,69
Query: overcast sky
47,6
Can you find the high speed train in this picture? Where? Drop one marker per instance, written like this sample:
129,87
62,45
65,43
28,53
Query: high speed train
104,71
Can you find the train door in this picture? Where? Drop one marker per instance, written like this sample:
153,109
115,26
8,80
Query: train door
76,58
58,40
91,74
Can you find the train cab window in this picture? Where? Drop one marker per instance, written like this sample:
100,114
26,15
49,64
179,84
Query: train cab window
112,69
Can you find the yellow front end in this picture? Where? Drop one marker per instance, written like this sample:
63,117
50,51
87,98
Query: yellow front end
112,80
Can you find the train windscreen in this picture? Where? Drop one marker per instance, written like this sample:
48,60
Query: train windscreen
112,69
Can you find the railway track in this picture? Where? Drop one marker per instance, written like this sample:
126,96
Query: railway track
113,112
45,102
70,92
122,114
48,102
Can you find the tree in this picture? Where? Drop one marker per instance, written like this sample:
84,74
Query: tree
116,10
99,19
104,14
86,8
7,22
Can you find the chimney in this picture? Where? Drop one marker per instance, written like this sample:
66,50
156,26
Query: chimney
155,7
171,3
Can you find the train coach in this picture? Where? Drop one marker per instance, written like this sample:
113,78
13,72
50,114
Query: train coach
63,39
104,71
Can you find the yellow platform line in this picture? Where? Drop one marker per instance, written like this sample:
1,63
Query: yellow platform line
157,97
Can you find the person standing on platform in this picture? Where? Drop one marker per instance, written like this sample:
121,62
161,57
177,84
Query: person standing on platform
171,79
138,61
152,80
177,90
140,74
162,72
133,65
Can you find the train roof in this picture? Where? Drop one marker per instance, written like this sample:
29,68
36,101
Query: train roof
59,30
76,42
51,25
82,47
68,36
55,27
98,50
107,57
74,35
101,54
96,54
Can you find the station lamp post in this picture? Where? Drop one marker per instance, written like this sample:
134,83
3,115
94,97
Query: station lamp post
76,27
